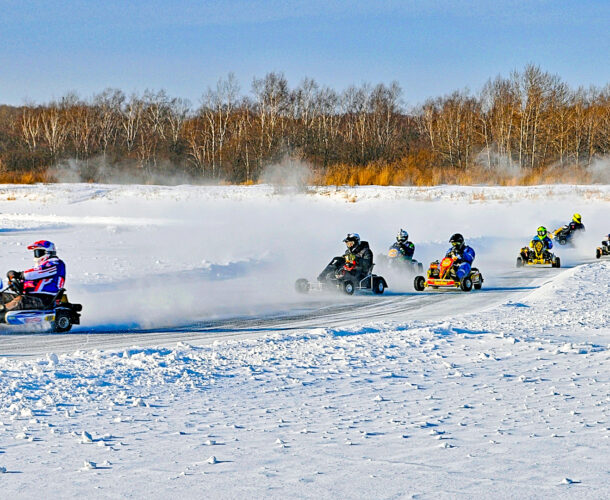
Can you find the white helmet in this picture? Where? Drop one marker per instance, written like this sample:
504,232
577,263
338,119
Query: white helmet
42,249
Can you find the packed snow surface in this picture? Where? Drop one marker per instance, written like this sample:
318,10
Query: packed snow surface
198,371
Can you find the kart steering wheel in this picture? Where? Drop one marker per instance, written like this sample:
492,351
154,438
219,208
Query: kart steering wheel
16,285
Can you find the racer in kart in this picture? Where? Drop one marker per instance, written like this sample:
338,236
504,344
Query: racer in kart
32,289
606,242
463,253
576,224
541,235
356,262
404,246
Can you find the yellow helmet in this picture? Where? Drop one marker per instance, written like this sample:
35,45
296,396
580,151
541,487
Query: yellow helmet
577,218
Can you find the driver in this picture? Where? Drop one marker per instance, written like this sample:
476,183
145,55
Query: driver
463,253
606,242
404,246
357,259
541,235
36,286
576,223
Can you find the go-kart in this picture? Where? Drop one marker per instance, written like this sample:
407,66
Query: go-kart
58,313
564,235
340,278
443,275
537,255
395,261
601,251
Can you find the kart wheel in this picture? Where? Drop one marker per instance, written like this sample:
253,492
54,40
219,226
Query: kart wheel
378,286
302,285
557,262
420,268
348,287
62,323
598,253
466,284
519,261
419,283
562,241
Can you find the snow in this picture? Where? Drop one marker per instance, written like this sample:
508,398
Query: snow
198,371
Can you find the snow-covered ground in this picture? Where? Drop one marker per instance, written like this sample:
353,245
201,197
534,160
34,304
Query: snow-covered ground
197,371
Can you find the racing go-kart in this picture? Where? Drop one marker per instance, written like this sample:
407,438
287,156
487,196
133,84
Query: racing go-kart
341,279
395,261
538,255
601,251
564,235
443,275
58,314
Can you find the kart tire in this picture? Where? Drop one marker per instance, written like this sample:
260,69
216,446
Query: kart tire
562,240
420,268
348,287
419,283
519,261
598,253
301,285
557,262
466,284
62,322
378,286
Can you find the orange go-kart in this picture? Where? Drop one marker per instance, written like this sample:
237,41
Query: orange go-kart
443,275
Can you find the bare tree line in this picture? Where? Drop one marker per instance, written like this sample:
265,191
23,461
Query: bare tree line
529,120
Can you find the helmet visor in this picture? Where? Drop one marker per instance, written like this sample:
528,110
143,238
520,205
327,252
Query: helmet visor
39,252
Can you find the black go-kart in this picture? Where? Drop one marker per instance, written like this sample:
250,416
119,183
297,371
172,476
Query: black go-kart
341,279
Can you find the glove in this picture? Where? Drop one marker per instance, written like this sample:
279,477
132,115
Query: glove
14,275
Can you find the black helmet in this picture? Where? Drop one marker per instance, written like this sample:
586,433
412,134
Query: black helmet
354,237
457,240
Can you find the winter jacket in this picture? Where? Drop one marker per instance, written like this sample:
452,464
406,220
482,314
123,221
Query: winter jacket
48,277
363,256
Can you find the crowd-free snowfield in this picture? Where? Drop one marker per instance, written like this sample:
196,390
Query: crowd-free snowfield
199,371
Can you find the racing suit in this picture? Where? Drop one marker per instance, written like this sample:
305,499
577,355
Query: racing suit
406,249
40,284
465,257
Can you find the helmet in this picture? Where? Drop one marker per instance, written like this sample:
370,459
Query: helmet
577,218
42,248
353,237
457,240
542,232
402,235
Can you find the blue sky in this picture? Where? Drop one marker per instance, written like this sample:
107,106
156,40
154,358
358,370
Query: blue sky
431,47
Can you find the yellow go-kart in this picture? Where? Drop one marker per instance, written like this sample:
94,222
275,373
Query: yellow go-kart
537,255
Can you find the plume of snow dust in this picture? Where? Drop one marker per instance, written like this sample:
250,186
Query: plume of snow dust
288,176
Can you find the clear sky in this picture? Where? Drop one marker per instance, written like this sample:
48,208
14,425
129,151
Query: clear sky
431,47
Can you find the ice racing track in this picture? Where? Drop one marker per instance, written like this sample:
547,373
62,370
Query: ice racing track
506,286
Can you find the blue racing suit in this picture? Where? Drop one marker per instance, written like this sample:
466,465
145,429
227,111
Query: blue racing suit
465,257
